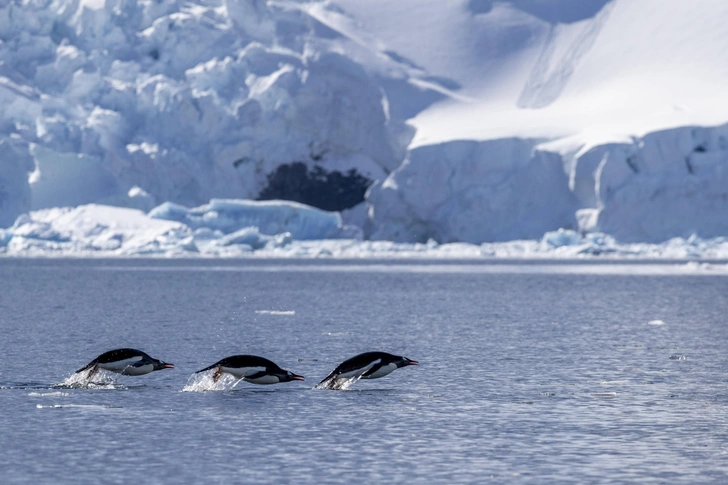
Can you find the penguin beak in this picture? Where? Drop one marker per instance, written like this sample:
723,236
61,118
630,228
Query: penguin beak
411,362
296,377
167,366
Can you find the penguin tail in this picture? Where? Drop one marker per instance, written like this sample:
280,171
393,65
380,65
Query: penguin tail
329,378
207,368
86,367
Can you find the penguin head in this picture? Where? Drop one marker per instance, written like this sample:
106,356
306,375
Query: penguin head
287,376
404,361
159,365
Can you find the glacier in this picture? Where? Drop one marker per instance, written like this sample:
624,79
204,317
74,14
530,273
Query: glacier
149,127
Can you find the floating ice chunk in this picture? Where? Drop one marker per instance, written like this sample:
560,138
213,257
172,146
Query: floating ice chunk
93,228
562,237
269,217
275,312
5,237
655,322
249,235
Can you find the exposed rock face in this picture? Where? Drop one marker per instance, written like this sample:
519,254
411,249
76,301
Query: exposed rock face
331,191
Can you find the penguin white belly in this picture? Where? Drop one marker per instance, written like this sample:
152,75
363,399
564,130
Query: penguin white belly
267,379
125,366
138,371
242,372
382,371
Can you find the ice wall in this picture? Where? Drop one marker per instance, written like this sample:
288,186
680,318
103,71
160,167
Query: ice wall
671,183
473,192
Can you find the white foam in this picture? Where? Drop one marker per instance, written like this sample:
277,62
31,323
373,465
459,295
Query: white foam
76,406
604,394
102,379
339,384
275,312
203,382
656,322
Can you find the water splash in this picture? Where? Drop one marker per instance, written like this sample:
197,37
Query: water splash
275,312
81,380
203,382
340,384
49,394
97,407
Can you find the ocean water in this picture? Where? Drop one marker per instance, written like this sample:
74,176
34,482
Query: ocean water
529,373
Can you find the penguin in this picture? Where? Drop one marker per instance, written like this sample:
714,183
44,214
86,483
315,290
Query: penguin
128,362
369,365
251,368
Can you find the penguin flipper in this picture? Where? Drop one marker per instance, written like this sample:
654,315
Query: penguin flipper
93,371
217,375
372,370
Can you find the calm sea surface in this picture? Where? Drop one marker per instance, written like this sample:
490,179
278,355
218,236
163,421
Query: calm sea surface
529,373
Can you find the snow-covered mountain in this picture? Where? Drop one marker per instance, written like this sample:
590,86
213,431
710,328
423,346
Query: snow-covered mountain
473,120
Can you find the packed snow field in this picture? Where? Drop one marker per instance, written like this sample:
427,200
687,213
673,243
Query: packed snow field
515,128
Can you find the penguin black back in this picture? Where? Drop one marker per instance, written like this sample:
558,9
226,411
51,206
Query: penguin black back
114,356
243,361
368,365
130,362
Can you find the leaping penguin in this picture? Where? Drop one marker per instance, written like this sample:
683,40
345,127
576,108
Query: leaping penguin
251,368
369,365
128,362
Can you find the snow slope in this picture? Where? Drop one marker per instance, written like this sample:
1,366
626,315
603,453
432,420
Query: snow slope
479,120
536,68
627,95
